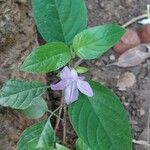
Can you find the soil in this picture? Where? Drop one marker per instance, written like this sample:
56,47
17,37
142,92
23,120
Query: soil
136,99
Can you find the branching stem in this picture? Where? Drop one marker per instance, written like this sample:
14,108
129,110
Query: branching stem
60,112
53,113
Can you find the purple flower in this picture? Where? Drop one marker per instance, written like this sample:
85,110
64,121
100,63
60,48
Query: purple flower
71,83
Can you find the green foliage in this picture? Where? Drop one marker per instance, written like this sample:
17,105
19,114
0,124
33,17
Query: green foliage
36,109
61,147
59,20
80,145
80,69
93,42
101,121
46,58
20,94
39,136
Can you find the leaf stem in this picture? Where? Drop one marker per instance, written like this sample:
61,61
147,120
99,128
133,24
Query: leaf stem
78,63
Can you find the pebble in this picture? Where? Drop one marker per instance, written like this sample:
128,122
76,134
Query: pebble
126,80
90,7
142,112
112,57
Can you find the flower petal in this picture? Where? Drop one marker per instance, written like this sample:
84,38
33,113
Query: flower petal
74,74
85,88
59,86
71,93
81,77
65,73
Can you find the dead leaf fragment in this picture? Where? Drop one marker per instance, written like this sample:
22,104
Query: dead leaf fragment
134,56
144,33
129,40
126,80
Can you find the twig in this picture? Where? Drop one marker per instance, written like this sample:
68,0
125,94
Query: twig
140,142
59,114
148,10
134,20
64,124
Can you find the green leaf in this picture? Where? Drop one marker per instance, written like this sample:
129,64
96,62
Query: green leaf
80,69
36,109
59,20
61,147
20,94
80,145
101,121
46,58
93,42
39,136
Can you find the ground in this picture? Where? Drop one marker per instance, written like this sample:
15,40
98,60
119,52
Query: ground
135,99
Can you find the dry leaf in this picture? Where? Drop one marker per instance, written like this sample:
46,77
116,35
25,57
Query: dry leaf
134,56
129,40
144,33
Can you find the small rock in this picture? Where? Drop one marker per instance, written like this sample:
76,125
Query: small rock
144,21
144,34
90,7
112,57
126,104
133,122
125,81
142,112
129,40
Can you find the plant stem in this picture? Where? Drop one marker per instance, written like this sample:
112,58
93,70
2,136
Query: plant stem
78,63
59,114
54,114
64,123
